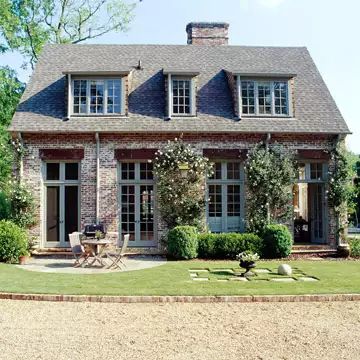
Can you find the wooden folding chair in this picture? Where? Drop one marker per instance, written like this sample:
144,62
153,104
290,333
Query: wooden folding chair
80,253
116,258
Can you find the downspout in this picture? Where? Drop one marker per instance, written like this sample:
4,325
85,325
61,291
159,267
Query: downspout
97,138
337,235
21,160
267,140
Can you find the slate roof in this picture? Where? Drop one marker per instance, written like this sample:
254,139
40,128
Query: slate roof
43,107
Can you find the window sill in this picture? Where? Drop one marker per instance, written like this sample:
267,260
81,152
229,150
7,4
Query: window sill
267,116
178,116
97,115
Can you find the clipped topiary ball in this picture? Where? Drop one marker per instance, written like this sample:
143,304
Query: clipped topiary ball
183,242
277,241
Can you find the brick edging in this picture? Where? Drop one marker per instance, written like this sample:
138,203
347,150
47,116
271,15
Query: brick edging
182,299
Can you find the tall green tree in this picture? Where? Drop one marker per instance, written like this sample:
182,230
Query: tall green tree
11,89
27,25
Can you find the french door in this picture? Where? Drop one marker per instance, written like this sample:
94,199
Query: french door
62,202
317,204
225,207
136,203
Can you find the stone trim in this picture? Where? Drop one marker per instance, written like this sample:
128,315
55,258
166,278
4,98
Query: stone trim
313,155
135,154
182,299
225,154
61,154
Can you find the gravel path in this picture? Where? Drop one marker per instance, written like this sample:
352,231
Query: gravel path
72,331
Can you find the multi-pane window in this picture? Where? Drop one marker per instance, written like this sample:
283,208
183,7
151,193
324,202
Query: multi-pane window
248,97
264,97
80,97
314,172
181,96
225,190
113,96
97,96
280,98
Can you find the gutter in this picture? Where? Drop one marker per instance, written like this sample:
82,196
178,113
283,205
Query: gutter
97,139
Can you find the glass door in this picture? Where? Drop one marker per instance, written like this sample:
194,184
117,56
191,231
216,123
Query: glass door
225,194
62,202
317,213
136,203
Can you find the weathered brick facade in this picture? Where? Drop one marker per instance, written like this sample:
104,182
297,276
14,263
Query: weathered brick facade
207,33
108,206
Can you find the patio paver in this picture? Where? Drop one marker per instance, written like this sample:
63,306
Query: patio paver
66,266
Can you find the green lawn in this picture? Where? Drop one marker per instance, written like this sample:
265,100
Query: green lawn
173,279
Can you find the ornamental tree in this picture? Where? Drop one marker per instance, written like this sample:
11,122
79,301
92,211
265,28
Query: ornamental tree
181,174
271,172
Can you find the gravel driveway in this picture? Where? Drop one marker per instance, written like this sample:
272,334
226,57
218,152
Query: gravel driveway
71,331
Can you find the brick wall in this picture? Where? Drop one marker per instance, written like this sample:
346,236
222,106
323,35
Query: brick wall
108,207
207,33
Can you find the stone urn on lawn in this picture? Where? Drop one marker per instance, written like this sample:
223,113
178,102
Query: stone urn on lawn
247,261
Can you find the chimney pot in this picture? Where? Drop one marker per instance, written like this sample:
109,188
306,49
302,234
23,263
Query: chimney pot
207,33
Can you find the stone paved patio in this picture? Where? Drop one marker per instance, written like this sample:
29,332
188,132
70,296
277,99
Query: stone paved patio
66,266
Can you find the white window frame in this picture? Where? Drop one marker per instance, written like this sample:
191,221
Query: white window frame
88,96
192,95
256,97
224,182
307,178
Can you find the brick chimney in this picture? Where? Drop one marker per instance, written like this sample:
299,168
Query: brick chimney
207,33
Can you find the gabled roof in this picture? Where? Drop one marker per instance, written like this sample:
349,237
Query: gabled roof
43,106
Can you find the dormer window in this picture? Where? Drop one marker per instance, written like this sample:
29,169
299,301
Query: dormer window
97,96
181,93
181,96
270,98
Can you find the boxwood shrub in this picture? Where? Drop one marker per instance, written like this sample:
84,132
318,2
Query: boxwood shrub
228,245
182,242
354,247
13,242
277,241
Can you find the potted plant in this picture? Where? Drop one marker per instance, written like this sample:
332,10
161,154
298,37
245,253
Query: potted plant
23,257
247,261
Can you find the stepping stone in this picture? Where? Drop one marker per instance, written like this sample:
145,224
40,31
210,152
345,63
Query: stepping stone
200,279
306,278
221,270
193,274
261,271
222,280
239,279
198,270
283,279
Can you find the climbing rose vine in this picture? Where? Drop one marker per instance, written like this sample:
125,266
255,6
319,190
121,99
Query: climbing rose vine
271,175
181,174
340,185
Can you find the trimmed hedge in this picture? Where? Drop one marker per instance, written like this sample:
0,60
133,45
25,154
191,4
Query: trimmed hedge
183,242
228,245
13,242
354,247
277,241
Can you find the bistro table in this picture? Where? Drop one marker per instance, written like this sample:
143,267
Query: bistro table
97,249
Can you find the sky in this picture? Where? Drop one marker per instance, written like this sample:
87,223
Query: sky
328,28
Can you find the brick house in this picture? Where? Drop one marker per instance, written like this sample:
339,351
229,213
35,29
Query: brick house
92,117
